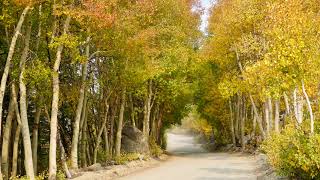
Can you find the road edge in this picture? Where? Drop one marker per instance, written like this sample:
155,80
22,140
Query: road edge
118,171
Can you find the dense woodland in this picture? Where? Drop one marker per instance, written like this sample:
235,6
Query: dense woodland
260,80
74,73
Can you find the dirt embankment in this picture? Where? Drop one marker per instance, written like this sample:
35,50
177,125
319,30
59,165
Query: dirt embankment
99,172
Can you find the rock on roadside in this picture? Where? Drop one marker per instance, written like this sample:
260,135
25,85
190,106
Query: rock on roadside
133,141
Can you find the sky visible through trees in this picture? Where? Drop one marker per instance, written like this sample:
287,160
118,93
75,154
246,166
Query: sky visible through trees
206,4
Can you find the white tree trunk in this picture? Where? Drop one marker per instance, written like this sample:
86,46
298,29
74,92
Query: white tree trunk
288,110
106,139
17,134
76,127
55,108
120,124
147,111
309,107
6,139
81,133
8,64
236,128
63,158
98,140
277,116
270,113
242,126
254,122
259,119
298,106
35,132
267,118
23,111
83,114
15,151
132,111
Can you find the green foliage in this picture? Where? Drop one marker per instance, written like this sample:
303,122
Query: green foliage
197,124
38,75
294,153
131,43
126,157
71,43
155,149
61,175
103,156
42,176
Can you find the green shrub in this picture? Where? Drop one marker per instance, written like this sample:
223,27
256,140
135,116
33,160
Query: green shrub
294,153
124,158
60,175
41,176
103,156
155,149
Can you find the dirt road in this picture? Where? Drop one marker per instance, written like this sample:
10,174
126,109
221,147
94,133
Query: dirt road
191,162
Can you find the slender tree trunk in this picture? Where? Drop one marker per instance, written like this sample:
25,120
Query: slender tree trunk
82,132
38,108
288,111
259,119
98,138
240,120
8,64
15,151
23,110
132,111
6,139
243,107
84,144
35,138
63,158
252,101
159,126
106,139
309,107
120,123
55,108
111,136
298,107
147,111
267,117
83,114
76,127
286,101
87,143
295,107
231,124
154,122
39,28
236,128
270,113
254,125
277,116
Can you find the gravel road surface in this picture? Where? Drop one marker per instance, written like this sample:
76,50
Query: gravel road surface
191,162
